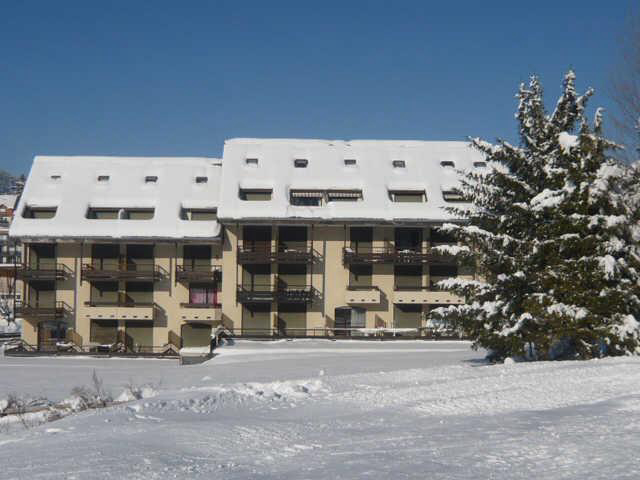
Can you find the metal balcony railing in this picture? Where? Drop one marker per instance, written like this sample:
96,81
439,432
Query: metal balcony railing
254,252
396,256
48,310
43,271
122,271
278,292
198,273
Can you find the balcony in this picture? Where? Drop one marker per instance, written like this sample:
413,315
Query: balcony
266,253
279,293
121,309
392,255
47,311
198,273
123,271
424,295
43,271
357,295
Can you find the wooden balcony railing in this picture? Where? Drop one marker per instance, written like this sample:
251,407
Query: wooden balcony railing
198,273
265,253
277,292
123,271
49,310
43,271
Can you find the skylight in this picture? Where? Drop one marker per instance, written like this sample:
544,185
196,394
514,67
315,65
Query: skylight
399,164
151,179
300,163
103,178
349,162
202,179
447,163
479,164
252,162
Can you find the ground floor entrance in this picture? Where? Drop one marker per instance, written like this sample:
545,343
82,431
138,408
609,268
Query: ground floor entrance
347,319
139,336
50,334
196,335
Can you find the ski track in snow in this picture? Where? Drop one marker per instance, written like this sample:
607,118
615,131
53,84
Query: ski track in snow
454,420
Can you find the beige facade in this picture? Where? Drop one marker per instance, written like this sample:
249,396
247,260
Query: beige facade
287,280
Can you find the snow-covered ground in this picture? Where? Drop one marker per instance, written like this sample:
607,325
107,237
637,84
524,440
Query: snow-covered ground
341,410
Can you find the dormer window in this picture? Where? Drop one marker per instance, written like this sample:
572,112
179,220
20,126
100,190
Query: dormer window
151,179
97,213
300,163
407,196
452,195
255,194
447,164
306,198
399,164
344,195
349,162
479,164
103,178
252,162
39,212
202,179
199,214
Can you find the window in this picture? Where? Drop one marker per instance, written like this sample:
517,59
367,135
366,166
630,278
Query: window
102,213
205,294
300,163
199,214
438,236
306,198
252,162
39,212
409,239
255,195
344,195
443,270
452,196
103,178
447,164
202,179
151,179
479,164
350,162
137,214
407,196
360,276
399,164
408,277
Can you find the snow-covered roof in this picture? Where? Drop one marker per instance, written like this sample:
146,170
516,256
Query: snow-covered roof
71,184
374,174
8,200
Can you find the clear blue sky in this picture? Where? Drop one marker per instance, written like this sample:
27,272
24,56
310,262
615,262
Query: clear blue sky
177,78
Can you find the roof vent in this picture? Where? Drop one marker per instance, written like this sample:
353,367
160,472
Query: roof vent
251,162
300,163
447,163
349,162
202,179
103,178
151,179
479,164
399,164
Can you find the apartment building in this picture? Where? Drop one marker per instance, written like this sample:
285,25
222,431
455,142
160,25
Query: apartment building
280,237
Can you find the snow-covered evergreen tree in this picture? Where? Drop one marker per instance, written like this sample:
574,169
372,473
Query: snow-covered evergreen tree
554,237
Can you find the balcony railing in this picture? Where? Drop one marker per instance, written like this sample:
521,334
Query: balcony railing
396,256
278,293
265,253
43,271
198,273
123,271
49,310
